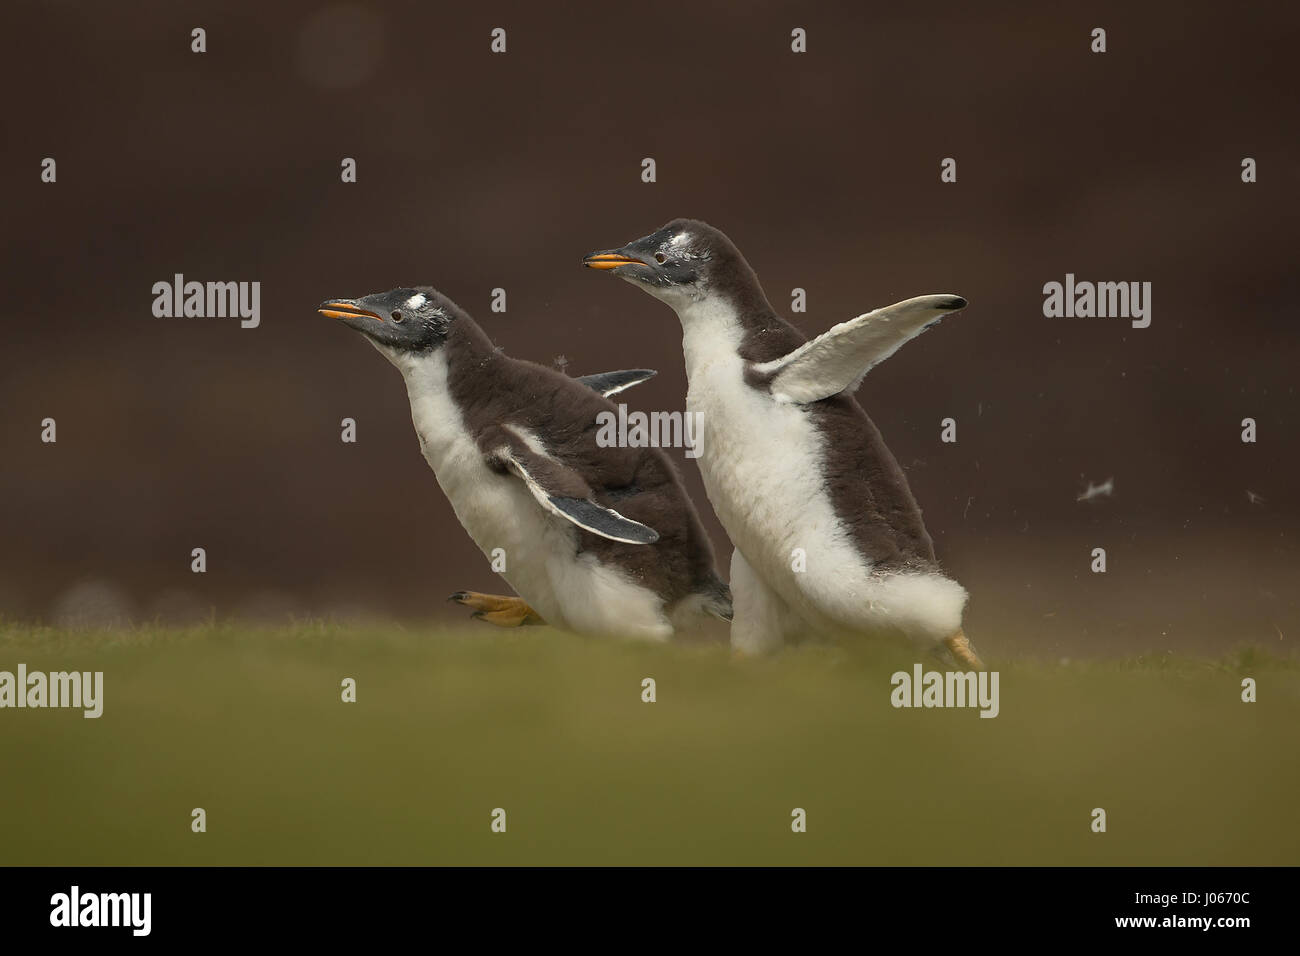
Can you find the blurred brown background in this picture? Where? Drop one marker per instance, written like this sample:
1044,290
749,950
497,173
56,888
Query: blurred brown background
478,170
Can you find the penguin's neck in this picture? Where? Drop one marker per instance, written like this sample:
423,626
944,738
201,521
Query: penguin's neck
439,385
713,332
728,327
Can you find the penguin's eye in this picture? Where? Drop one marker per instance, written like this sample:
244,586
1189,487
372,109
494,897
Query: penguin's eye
397,317
660,258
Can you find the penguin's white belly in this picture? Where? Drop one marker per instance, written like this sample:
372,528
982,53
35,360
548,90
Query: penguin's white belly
762,465
570,590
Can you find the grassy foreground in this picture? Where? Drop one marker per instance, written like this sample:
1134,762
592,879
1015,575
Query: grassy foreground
448,725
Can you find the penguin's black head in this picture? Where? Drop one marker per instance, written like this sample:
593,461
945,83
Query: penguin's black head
398,321
678,263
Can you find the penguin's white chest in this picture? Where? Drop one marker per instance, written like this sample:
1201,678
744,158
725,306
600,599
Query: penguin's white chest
495,509
762,465
537,551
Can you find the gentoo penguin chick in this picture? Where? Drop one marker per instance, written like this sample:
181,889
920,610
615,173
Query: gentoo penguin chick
596,540
793,465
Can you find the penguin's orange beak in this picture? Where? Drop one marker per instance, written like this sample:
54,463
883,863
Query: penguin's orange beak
609,260
346,310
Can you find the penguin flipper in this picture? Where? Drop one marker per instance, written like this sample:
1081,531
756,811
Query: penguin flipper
603,521
611,383
840,357
561,490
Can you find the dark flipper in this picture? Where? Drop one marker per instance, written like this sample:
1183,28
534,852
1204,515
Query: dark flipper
558,488
605,522
611,383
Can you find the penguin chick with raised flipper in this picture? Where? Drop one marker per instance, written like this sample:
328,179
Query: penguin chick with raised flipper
793,465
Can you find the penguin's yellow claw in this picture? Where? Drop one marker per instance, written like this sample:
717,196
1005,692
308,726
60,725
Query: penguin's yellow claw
501,610
959,646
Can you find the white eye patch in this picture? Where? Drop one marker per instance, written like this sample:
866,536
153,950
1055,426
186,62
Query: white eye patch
417,300
681,248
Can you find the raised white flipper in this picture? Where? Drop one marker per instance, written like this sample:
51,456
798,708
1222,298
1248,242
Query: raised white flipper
840,357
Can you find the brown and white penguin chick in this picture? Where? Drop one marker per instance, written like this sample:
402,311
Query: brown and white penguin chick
793,465
596,540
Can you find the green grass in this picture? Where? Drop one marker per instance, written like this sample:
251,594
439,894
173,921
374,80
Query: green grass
248,724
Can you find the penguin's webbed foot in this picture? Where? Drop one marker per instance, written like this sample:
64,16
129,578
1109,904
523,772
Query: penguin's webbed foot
963,652
501,610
